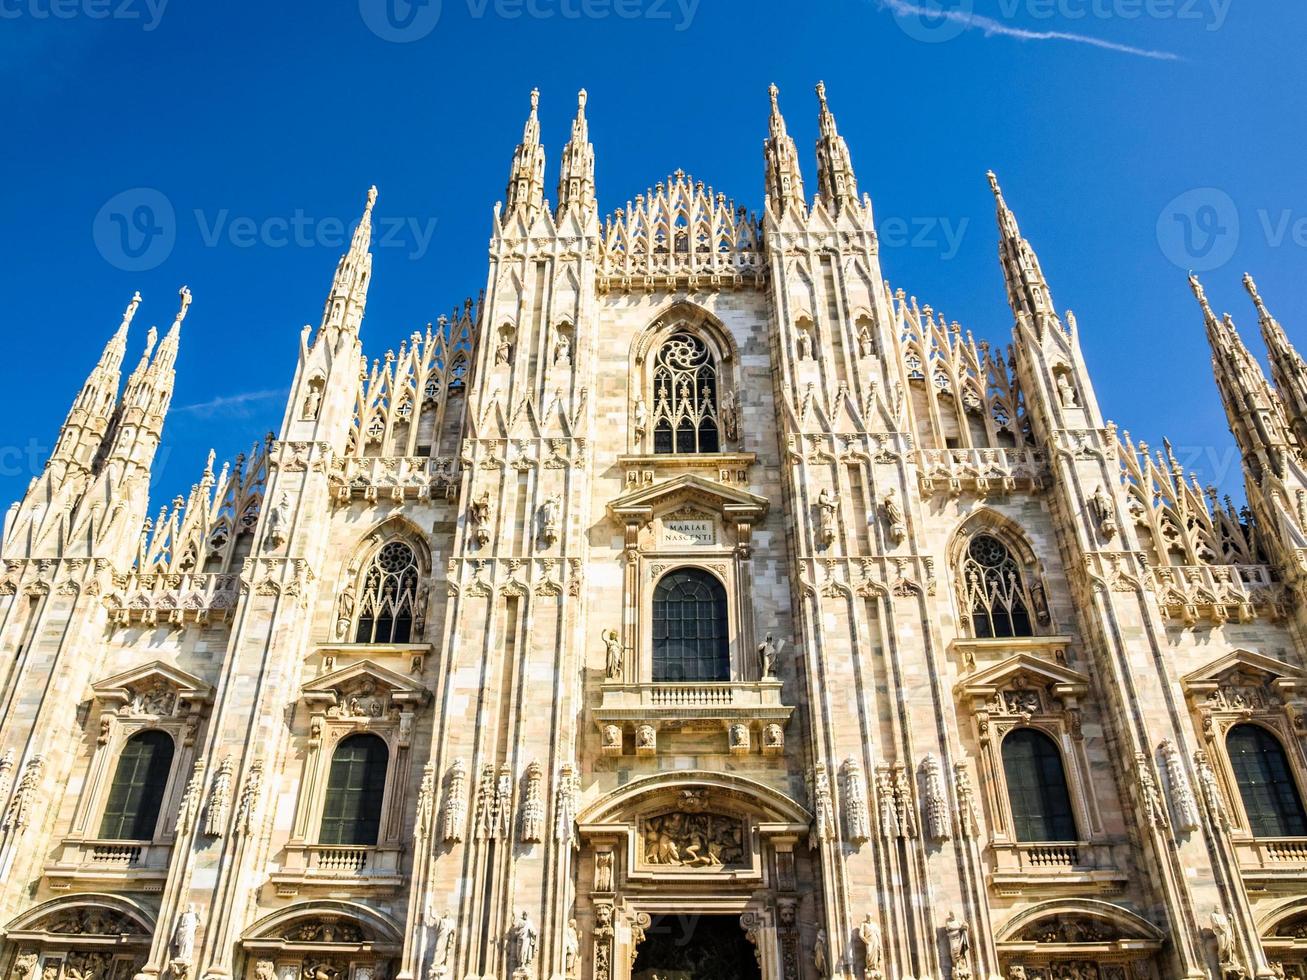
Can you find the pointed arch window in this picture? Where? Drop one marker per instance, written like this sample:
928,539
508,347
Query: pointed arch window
1037,788
389,595
685,397
136,792
691,640
1266,784
356,786
994,589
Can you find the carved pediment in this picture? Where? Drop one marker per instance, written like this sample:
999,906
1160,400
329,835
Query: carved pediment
693,491
1012,682
157,689
1243,681
364,690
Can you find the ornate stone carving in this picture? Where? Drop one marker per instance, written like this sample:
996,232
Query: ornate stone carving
826,508
183,936
1213,798
773,740
823,825
454,814
1060,929
567,798
769,653
501,810
646,740
1149,797
693,840
325,931
904,805
533,806
937,809
523,942
1103,513
157,699
614,655
247,809
857,823
190,802
19,812
550,514
1223,938
873,947
612,740
887,812
426,802
968,819
485,804
219,808
738,739
479,513
958,934
895,522
1182,796
571,950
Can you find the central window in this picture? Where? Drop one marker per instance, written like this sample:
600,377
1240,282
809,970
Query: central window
995,590
685,414
136,793
691,637
389,593
351,813
1037,789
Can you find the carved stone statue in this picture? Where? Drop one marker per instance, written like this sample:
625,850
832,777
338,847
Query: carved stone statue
873,947
959,946
562,350
480,514
768,658
277,520
866,346
826,514
612,738
183,935
524,941
549,515
894,518
805,345
313,403
571,949
1100,506
614,656
820,959
442,939
729,412
1223,933
503,351
265,970
1066,391
641,418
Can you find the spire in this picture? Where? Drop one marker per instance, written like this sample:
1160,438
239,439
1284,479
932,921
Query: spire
526,181
784,180
576,179
1288,370
1027,289
92,411
836,181
349,287
166,357
1252,407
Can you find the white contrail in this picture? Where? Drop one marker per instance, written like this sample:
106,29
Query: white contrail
991,27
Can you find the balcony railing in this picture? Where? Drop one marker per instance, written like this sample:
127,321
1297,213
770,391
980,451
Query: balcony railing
1268,858
362,866
88,862
757,701
1076,864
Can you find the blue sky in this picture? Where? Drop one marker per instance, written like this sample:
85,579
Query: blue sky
1134,138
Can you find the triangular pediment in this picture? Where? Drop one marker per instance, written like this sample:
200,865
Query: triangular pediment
152,681
1025,670
689,488
366,686
1244,662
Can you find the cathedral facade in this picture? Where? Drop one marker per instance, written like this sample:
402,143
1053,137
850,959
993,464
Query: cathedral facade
692,605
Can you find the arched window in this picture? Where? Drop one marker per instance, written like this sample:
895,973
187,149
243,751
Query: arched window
389,592
1270,795
351,813
690,628
685,407
1036,786
995,590
136,793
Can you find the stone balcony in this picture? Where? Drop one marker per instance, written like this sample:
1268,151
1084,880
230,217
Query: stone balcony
748,711
97,863
1077,866
1272,861
339,867
1218,593
981,471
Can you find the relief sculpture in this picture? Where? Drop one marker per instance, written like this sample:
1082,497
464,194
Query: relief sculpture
693,840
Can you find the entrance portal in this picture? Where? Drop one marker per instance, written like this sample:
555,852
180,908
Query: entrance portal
695,947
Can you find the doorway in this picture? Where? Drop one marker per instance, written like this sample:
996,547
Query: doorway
695,947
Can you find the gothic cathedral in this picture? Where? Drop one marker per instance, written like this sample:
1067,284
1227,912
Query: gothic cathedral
692,606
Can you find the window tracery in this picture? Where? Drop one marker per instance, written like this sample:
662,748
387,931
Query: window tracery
388,596
994,591
685,397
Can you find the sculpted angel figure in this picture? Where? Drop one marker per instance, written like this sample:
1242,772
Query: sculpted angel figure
614,655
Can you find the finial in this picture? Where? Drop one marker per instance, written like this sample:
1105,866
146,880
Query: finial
993,183
1250,285
535,99
208,467
372,197
821,93
774,92
130,312
1201,295
185,294
581,99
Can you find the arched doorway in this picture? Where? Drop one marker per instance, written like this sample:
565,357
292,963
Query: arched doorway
326,940
695,947
1075,939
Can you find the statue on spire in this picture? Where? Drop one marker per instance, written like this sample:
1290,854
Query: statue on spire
836,181
784,179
